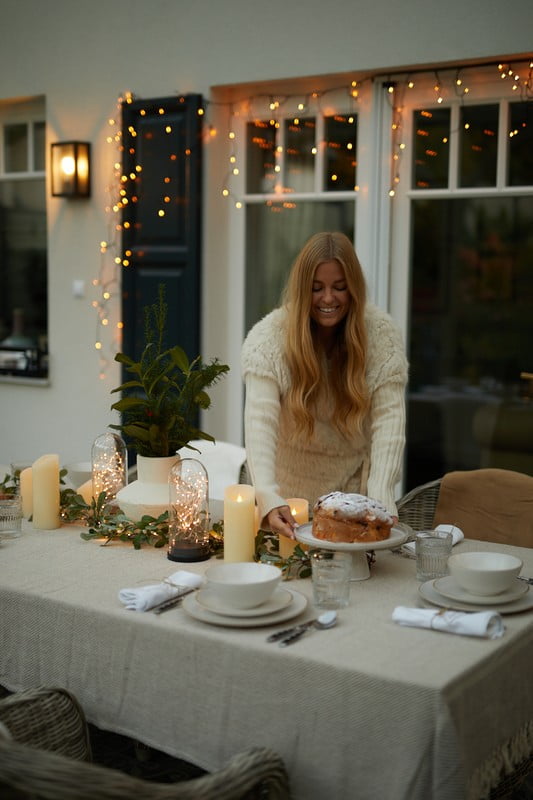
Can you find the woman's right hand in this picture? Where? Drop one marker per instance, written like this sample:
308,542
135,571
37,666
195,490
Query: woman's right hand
281,521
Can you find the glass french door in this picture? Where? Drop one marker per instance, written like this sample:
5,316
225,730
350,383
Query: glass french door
462,276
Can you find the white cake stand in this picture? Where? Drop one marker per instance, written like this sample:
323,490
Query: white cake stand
360,568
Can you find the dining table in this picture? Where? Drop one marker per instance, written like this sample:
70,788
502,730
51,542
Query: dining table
367,709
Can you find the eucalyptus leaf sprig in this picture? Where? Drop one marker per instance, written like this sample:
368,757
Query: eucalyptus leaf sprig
8,485
104,520
297,565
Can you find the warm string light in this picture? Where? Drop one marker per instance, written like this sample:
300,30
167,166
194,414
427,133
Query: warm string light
395,93
267,113
109,464
107,283
271,110
188,511
461,89
233,163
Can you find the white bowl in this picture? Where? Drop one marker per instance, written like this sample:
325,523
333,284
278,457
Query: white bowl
484,574
79,472
242,584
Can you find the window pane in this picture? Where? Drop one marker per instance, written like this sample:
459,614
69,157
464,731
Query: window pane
471,311
521,144
275,233
23,267
260,157
478,147
300,143
431,153
16,148
340,153
38,146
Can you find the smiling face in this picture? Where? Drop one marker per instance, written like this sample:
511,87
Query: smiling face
331,299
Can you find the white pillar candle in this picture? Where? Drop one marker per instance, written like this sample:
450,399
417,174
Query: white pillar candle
26,492
299,507
45,474
239,523
86,491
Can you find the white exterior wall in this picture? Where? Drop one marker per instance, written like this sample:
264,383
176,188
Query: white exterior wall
82,54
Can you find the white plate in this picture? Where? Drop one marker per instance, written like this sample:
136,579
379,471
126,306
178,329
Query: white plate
295,607
448,587
431,595
280,598
304,534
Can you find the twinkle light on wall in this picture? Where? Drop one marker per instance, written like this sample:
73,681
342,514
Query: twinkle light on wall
107,284
457,81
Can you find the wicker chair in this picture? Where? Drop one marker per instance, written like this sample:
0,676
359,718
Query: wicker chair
417,507
44,754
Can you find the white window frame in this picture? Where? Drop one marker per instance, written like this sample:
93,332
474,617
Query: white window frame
382,232
371,247
486,89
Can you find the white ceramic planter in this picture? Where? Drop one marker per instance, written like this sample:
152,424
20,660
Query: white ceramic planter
149,494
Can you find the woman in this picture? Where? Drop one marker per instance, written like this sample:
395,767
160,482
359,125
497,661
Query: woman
325,382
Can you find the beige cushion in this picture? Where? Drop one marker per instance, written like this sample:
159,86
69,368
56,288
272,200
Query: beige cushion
495,505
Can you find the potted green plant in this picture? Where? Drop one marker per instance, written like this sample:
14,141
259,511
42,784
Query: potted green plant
159,407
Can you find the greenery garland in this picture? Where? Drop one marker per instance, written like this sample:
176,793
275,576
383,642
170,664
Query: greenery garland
104,520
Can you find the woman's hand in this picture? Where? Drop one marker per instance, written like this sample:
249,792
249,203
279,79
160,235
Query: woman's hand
281,521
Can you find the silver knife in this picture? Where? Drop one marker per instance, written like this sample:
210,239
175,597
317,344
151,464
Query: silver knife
173,601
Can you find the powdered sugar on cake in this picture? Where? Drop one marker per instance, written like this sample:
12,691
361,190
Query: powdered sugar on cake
353,506
340,517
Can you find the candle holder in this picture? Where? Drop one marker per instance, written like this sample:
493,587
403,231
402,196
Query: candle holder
109,465
299,507
188,527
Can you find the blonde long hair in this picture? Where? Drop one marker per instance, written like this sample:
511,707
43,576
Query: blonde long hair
305,356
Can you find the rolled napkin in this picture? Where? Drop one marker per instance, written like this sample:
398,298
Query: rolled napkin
488,624
143,598
457,536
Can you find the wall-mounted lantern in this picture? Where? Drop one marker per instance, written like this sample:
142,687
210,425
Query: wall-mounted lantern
71,174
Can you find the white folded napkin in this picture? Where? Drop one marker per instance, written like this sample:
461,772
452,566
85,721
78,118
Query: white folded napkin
143,598
457,536
480,623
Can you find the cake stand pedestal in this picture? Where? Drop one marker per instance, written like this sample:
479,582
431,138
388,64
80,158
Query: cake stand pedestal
360,568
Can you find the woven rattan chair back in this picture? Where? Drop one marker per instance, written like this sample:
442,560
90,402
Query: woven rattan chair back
30,771
48,719
417,507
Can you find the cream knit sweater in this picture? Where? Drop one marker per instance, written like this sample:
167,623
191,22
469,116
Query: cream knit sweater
369,464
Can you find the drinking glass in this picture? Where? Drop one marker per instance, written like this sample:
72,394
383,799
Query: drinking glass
331,578
10,515
432,549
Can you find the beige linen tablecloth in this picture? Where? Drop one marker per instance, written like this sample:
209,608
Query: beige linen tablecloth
366,710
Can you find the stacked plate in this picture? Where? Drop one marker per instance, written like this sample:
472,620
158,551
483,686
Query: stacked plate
446,593
283,604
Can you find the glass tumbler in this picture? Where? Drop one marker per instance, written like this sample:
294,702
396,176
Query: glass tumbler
10,515
432,548
331,578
